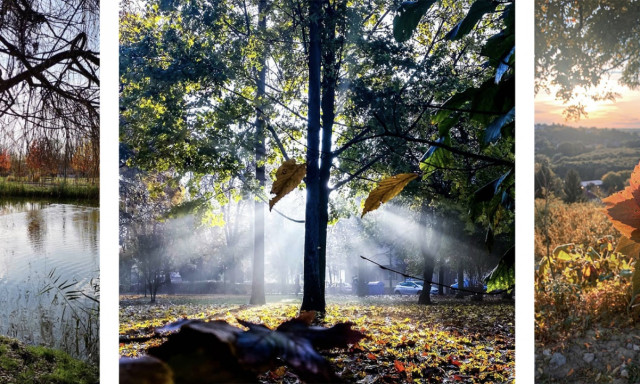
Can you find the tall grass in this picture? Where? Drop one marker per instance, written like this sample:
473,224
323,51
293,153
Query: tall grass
80,319
60,190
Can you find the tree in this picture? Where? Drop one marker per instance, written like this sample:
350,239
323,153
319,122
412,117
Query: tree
84,160
49,64
5,162
572,189
546,181
615,181
183,112
577,44
42,158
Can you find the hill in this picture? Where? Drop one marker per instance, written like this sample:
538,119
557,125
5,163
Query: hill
591,151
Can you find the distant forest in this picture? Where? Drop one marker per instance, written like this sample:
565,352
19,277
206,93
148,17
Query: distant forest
592,152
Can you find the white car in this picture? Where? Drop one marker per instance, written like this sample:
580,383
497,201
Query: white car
408,288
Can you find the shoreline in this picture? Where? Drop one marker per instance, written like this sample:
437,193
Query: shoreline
62,191
23,363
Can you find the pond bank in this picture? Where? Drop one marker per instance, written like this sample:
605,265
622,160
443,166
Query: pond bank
21,363
71,191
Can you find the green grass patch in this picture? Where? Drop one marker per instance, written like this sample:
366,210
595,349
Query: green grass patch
34,364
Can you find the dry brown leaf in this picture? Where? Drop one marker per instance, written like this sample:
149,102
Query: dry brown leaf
386,190
624,211
288,177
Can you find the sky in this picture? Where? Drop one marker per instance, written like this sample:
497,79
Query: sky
623,113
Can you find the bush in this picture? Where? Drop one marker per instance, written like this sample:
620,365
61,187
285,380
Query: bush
578,285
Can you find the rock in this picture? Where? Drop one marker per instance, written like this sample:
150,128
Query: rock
624,373
626,353
636,347
547,353
557,360
588,357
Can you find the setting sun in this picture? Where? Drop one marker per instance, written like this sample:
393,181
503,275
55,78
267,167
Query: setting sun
621,113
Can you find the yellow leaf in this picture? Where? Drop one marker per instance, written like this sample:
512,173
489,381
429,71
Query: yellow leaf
288,177
386,190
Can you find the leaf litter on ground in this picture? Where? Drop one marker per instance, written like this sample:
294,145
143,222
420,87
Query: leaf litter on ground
451,341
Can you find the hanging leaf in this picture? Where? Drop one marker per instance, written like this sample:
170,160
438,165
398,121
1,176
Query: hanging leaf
408,17
503,65
503,275
478,9
436,156
386,190
623,208
492,133
489,190
288,177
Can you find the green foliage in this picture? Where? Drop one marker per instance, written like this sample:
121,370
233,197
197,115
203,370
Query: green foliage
491,105
478,9
409,15
22,364
615,181
572,189
503,275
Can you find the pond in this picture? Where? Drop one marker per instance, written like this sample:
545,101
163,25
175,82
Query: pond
49,270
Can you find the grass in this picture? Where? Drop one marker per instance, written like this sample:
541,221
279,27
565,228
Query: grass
451,340
56,190
39,365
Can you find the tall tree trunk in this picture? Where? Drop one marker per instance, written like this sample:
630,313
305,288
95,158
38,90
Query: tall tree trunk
329,80
429,250
257,282
312,298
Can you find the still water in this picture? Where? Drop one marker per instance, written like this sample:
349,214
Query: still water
49,269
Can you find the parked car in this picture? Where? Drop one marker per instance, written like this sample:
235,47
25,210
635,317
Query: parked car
466,285
408,288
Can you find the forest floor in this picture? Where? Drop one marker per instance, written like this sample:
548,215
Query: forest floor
452,340
39,365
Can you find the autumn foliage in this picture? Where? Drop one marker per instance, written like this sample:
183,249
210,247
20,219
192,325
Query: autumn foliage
42,158
84,160
594,277
5,162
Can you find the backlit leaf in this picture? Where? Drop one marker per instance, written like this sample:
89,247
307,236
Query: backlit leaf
386,190
288,177
408,17
623,208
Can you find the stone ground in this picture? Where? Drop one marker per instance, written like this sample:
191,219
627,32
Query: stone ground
601,355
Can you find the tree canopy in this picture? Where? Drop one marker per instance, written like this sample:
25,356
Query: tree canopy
579,43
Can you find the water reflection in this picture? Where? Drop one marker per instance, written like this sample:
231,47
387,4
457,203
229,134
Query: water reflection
48,251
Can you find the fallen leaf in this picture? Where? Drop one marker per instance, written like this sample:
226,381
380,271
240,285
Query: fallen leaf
399,366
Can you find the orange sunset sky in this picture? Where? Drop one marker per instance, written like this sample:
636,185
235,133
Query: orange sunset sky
623,113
